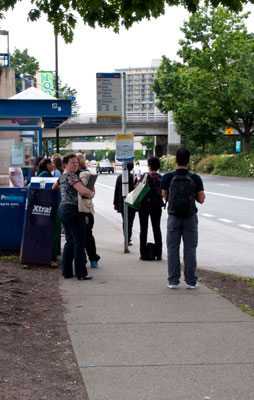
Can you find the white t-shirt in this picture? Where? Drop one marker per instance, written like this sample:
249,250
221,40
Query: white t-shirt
18,177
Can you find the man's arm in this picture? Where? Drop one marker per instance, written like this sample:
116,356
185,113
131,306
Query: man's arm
200,197
164,194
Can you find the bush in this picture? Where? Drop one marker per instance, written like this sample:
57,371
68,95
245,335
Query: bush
235,165
206,165
168,163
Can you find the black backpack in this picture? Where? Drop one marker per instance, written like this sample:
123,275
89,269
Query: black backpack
181,195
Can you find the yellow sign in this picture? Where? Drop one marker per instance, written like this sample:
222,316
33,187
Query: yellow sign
229,131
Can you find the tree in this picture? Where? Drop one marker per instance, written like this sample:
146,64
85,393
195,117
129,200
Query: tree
24,64
62,14
148,141
213,87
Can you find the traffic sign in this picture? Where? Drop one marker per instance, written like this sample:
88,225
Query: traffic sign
229,131
124,147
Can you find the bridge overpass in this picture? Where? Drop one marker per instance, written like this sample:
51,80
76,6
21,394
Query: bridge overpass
139,124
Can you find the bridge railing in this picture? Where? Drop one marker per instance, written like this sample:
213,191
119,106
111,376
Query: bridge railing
91,118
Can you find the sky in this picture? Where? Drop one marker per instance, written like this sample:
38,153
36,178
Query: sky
96,50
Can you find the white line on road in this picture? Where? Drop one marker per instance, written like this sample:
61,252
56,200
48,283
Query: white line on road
246,226
223,184
228,195
225,220
208,215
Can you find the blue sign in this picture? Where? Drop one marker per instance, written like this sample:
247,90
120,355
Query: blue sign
238,146
12,211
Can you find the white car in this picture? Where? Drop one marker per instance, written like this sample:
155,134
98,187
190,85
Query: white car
140,167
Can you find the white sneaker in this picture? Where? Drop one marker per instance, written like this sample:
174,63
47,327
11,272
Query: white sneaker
192,286
172,286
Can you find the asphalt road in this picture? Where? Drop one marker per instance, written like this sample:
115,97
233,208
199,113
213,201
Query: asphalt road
226,222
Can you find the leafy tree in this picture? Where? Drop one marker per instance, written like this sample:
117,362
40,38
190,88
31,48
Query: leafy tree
24,64
148,141
213,87
63,142
62,14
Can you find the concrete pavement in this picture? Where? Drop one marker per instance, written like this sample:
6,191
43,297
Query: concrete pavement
136,339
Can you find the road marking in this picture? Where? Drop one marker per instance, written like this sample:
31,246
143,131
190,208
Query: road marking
246,226
208,215
225,220
232,197
223,184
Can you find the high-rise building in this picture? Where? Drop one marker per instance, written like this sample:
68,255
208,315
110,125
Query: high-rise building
139,94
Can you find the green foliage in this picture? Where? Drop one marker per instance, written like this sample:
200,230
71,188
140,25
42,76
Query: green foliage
63,14
168,163
62,144
228,165
148,141
24,64
218,59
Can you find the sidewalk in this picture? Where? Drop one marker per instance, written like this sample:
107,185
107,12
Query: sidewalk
135,339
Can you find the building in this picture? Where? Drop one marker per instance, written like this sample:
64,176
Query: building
139,94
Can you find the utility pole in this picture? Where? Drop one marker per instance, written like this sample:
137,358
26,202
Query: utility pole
125,174
57,89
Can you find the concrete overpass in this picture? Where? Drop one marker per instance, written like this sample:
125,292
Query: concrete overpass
140,124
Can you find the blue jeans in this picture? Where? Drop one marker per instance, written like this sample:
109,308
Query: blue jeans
186,228
74,224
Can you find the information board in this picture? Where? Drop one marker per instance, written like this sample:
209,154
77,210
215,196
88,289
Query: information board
109,98
124,147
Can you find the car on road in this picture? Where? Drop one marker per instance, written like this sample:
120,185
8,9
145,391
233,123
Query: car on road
140,167
104,166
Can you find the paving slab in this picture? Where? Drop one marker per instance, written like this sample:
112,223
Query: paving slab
178,382
134,338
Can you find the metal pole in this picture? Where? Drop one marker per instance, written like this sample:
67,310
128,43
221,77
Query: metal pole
57,89
125,174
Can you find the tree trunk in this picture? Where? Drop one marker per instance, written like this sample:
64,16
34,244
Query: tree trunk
246,143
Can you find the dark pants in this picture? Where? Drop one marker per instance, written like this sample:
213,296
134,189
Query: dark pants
75,230
90,241
186,228
131,216
155,215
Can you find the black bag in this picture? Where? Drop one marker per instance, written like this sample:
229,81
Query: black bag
150,252
182,194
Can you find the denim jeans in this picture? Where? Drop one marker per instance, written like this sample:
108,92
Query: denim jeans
186,228
75,230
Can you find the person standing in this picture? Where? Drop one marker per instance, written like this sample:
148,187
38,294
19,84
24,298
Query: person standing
73,221
16,178
182,189
151,206
118,201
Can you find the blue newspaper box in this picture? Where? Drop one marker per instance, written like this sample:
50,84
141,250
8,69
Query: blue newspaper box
12,211
40,215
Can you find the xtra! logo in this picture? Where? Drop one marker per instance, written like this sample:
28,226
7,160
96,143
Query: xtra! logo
39,210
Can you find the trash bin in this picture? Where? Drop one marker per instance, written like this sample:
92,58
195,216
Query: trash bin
12,211
40,215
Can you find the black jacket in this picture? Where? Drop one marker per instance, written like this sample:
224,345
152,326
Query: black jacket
118,197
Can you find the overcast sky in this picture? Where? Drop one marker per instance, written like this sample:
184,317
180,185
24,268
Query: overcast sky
95,50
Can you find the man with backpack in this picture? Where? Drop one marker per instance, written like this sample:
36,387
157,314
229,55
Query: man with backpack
182,189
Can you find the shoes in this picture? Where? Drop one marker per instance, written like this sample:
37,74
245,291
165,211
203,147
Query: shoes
130,243
173,285
94,264
159,258
192,286
86,277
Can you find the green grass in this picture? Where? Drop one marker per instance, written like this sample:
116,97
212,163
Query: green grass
246,309
13,257
242,278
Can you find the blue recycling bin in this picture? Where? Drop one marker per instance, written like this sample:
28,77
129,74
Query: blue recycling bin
12,211
40,215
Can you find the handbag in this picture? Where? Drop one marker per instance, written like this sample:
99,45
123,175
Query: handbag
135,197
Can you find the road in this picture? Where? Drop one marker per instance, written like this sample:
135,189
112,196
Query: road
226,222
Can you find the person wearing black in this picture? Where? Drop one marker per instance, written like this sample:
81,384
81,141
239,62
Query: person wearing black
151,206
45,168
181,189
118,199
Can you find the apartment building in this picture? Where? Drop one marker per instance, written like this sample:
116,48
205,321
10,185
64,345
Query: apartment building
139,94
